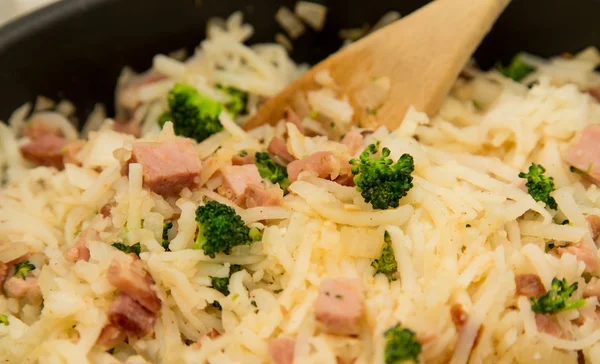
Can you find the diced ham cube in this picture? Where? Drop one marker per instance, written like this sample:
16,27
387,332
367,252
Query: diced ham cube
239,160
584,253
71,150
281,351
595,93
459,316
323,164
168,166
19,287
105,210
36,129
128,315
131,127
236,180
110,336
277,146
585,153
353,140
79,250
592,288
263,196
529,285
127,274
594,222
45,151
548,325
291,117
340,306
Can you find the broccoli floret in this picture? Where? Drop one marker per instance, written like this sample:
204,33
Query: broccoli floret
21,269
164,117
539,186
219,229
135,248
255,234
517,70
239,99
4,320
557,298
193,114
401,345
165,235
379,181
386,264
222,284
270,170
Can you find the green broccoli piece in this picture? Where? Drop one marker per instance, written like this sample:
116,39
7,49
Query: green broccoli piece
255,234
386,264
557,298
165,235
21,269
164,117
193,114
4,320
379,181
239,99
517,70
222,284
539,186
135,248
270,170
219,229
401,345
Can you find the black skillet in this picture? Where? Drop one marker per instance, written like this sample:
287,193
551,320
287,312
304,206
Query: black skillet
75,49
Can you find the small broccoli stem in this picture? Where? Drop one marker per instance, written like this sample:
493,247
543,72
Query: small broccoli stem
200,238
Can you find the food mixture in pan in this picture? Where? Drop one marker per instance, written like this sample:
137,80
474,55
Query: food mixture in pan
170,234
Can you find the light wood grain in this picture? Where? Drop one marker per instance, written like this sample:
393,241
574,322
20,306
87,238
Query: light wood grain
422,54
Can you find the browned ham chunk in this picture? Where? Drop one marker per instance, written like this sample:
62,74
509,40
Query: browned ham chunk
19,287
529,285
79,250
277,146
128,127
110,336
129,316
595,93
353,140
105,210
548,325
592,288
127,274
323,164
459,316
45,151
291,117
36,129
594,222
168,166
236,180
239,160
339,306
263,196
584,154
584,253
281,350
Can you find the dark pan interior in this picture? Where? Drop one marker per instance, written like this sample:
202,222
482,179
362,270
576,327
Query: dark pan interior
76,48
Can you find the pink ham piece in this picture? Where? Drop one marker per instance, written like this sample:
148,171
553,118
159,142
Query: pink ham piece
129,316
584,253
594,223
340,306
236,180
239,160
35,129
353,140
127,274
291,117
79,250
546,324
110,336
323,164
585,153
169,166
277,146
19,287
529,285
45,151
281,351
261,196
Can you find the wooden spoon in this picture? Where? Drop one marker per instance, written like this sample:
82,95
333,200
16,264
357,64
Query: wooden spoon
422,55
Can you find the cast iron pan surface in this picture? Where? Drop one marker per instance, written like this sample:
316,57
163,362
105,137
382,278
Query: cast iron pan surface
75,49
